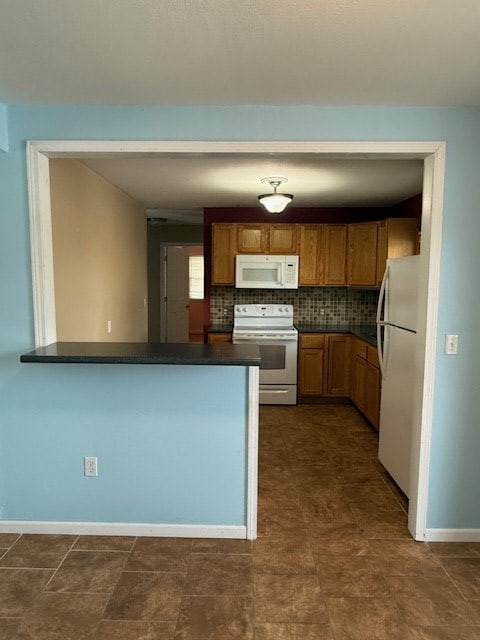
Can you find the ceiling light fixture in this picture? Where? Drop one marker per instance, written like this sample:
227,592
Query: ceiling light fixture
275,202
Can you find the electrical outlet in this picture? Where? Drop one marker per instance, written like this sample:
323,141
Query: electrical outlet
451,344
109,326
90,466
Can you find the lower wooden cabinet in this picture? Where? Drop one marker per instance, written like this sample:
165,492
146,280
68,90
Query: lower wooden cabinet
343,366
311,364
366,380
214,338
337,381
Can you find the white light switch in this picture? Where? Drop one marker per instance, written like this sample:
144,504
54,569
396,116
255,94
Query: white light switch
451,344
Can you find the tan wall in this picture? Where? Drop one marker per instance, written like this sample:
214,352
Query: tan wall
100,257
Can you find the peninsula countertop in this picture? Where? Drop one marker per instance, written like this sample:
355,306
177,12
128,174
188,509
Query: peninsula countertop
224,354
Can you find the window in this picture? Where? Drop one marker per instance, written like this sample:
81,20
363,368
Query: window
195,277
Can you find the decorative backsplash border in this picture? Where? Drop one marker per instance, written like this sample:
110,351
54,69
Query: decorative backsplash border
335,305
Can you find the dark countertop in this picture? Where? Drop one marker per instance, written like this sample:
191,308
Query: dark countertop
364,332
220,328
146,353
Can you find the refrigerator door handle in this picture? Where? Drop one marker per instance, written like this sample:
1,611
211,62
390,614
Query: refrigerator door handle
381,323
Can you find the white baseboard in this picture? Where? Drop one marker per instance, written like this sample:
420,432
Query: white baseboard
125,529
452,535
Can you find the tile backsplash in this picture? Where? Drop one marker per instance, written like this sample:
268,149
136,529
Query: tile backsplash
323,305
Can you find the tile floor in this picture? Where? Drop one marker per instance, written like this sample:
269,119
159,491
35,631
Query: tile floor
333,560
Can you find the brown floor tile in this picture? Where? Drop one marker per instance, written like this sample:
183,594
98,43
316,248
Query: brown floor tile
134,630
287,556
89,572
406,558
465,572
280,523
351,576
38,551
289,598
9,628
324,510
292,631
160,554
215,618
380,523
19,588
146,596
375,492
367,619
63,617
219,574
104,543
445,633
455,549
7,539
213,545
431,601
345,539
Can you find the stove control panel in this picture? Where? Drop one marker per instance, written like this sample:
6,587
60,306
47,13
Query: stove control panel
263,310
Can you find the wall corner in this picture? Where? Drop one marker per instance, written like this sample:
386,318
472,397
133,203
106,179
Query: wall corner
3,127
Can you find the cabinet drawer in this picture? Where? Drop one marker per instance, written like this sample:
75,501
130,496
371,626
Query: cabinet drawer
372,356
359,348
312,341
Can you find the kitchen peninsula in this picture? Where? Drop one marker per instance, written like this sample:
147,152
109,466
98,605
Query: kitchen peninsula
176,447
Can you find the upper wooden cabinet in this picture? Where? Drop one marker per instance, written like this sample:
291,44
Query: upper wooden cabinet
310,254
397,237
252,238
282,238
362,253
335,254
267,238
224,248
330,254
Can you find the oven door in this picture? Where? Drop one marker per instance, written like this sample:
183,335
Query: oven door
279,358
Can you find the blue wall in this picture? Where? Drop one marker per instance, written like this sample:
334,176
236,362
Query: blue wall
454,499
3,128
147,424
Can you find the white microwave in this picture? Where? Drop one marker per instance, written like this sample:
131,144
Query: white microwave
266,272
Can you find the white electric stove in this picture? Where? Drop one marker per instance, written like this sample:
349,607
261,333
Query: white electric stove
271,327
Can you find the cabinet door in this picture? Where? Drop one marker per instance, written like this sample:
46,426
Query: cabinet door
362,254
372,394
397,237
337,374
311,372
358,382
252,238
215,338
282,238
335,254
223,253
310,252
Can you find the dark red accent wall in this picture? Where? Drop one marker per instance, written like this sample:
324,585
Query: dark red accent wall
300,215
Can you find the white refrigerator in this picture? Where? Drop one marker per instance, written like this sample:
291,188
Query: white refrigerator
397,321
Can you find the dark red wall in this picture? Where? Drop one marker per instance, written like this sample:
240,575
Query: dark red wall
301,215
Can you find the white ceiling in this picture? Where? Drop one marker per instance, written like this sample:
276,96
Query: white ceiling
292,52
186,184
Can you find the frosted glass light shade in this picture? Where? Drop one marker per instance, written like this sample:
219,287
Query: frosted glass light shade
275,202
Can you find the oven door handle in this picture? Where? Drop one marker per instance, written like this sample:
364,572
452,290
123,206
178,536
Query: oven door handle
264,338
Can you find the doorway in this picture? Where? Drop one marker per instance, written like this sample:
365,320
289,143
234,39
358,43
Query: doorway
433,155
181,293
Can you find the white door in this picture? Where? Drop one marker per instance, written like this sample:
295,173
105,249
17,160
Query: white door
176,294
